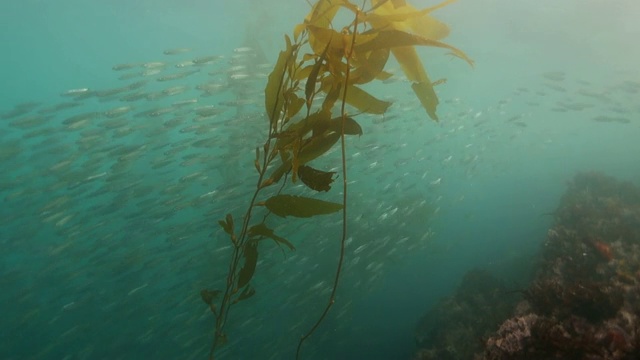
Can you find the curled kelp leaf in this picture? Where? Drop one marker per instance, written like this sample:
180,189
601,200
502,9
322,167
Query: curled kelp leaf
317,180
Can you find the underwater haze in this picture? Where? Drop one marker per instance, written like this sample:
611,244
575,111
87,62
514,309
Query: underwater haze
128,129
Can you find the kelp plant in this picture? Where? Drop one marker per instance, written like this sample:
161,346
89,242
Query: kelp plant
303,126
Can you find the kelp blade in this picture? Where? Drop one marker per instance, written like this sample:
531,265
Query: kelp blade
316,179
299,206
250,262
264,231
413,70
387,39
273,92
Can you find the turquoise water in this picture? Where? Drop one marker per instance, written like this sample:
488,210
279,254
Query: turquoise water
108,224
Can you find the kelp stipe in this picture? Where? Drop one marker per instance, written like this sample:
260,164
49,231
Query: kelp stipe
337,65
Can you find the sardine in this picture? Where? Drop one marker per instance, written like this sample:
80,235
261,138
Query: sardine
76,92
115,112
174,90
176,51
207,60
243,49
121,67
184,102
209,110
176,76
154,65
184,64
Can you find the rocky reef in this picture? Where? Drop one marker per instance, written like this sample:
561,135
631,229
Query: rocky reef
583,302
453,329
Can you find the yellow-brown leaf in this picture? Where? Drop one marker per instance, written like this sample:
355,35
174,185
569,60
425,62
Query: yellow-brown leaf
317,146
387,39
365,102
273,92
428,98
369,65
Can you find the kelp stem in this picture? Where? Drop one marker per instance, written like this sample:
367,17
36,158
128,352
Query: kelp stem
238,250
343,240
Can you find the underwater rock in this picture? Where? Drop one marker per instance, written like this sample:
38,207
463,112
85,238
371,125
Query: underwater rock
592,301
585,299
513,336
454,328
583,302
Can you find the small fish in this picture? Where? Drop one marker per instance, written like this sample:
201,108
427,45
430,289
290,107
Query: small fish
121,67
61,106
239,76
555,87
243,49
134,96
30,121
115,112
176,76
238,102
154,112
208,110
237,68
17,111
111,92
183,64
176,51
155,95
114,123
136,289
76,92
150,72
154,65
128,76
174,90
69,306
554,75
73,121
212,87
137,85
184,102
206,60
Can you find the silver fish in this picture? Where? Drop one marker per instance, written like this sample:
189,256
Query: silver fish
176,76
121,67
176,51
207,59
119,111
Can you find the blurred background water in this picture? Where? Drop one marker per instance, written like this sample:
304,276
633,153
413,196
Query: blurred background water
108,223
